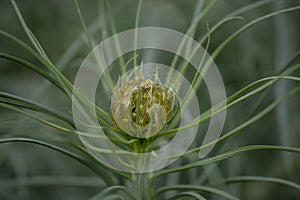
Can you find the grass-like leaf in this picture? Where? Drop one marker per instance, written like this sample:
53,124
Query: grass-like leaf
240,179
188,194
28,32
46,181
32,67
31,105
196,188
227,41
111,190
72,155
83,150
227,155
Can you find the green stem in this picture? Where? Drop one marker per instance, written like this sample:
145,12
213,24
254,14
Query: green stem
142,187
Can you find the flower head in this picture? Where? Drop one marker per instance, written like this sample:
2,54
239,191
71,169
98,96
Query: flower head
141,107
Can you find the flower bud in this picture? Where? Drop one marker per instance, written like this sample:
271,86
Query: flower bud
141,107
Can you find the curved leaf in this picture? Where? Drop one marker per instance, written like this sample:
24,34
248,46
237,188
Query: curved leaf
197,188
38,181
72,155
31,105
226,155
112,190
247,26
238,179
188,194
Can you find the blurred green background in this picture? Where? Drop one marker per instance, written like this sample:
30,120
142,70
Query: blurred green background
257,53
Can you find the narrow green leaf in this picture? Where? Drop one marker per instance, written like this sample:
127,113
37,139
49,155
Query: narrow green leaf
136,25
40,181
197,188
188,194
114,31
64,129
33,68
249,7
28,32
218,50
189,32
63,81
72,155
227,155
106,78
87,34
239,179
29,104
112,190
247,123
124,175
236,98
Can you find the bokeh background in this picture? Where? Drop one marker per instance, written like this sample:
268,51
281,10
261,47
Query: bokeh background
259,52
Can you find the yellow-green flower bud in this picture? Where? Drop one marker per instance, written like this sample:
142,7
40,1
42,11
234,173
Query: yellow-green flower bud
141,107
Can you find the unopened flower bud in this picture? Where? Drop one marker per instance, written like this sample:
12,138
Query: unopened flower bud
141,107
